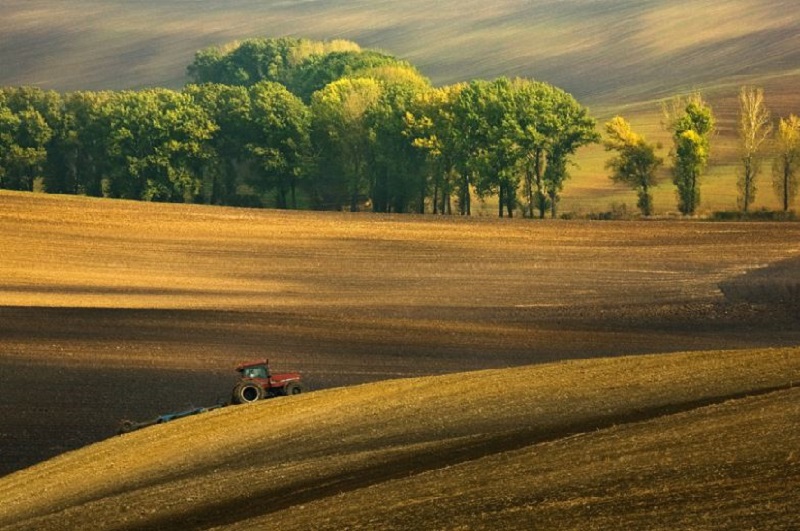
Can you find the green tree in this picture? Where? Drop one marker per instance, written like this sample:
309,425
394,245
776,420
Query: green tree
30,117
302,65
77,157
691,123
248,62
229,107
786,165
636,162
158,144
281,143
568,126
486,114
533,106
754,129
317,71
23,140
47,103
485,135
342,137
398,169
9,126
431,126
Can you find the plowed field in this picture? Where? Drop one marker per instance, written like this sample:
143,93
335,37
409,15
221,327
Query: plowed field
113,309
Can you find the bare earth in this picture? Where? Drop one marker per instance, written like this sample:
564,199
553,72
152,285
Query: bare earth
112,310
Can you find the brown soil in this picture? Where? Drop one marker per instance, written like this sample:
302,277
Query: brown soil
668,441
112,310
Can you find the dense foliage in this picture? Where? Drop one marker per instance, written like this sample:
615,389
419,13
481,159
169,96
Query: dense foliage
786,166
293,123
691,123
636,162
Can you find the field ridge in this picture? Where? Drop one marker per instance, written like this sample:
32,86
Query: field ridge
246,465
460,450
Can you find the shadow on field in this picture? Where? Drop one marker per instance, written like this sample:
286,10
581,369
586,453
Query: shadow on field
50,409
777,284
447,453
69,375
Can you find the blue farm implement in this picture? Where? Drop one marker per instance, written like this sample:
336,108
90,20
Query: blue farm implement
129,425
256,382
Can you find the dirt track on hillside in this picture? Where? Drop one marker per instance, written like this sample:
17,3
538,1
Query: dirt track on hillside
112,310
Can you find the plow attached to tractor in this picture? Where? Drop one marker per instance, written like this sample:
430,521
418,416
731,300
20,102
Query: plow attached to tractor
256,382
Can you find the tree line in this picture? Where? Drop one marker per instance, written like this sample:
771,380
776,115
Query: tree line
295,123
691,123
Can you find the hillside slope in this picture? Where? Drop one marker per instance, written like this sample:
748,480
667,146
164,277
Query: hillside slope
457,450
600,51
132,310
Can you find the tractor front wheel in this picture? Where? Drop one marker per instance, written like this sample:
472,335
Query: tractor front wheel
293,388
247,392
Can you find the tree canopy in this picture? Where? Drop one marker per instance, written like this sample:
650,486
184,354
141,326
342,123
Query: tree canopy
295,123
691,123
636,161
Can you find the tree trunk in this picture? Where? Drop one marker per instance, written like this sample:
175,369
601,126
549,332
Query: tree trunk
529,190
501,199
786,178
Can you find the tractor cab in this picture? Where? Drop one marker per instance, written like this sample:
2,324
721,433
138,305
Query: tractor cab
254,369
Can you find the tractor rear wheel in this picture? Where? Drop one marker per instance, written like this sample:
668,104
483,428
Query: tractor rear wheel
293,388
247,392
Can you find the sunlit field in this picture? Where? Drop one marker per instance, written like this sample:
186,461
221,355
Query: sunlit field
108,296
464,372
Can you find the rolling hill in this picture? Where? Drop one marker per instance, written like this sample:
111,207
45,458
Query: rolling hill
123,309
702,440
112,309
603,52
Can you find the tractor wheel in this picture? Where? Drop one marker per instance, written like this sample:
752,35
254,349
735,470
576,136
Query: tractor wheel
247,392
293,388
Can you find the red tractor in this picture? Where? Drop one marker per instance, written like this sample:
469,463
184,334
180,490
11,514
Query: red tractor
257,382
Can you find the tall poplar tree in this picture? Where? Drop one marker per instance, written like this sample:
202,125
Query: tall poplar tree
786,165
691,123
754,129
636,162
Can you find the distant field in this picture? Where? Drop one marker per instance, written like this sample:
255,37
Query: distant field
609,52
